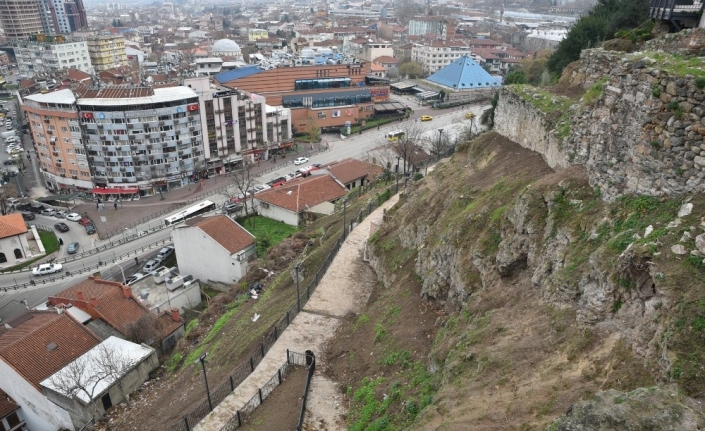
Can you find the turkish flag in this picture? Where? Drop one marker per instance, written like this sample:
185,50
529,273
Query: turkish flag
87,115
193,107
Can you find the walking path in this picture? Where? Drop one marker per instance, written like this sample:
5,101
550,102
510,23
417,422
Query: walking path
345,288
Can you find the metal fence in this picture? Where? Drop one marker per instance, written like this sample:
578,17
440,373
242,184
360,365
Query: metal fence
245,369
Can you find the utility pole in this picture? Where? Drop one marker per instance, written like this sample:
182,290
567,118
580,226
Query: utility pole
202,360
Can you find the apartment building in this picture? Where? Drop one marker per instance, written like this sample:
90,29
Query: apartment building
106,52
438,54
328,97
47,54
62,16
232,124
141,138
56,133
438,26
20,18
254,34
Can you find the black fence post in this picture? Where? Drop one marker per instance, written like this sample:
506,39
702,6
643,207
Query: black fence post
232,384
239,421
186,422
276,335
252,364
279,373
259,391
261,349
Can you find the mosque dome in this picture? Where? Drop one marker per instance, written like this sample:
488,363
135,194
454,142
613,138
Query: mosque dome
225,46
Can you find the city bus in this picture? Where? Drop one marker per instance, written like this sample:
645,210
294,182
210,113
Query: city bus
395,135
198,209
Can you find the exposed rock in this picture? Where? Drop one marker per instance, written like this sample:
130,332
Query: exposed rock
700,242
662,409
685,210
648,230
679,249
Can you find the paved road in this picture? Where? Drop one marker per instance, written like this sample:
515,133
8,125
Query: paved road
355,146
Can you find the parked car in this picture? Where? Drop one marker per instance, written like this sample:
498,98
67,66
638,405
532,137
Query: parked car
73,217
47,268
277,182
61,227
36,208
165,253
300,161
61,214
84,221
151,265
72,248
231,207
23,207
48,212
90,229
28,216
134,278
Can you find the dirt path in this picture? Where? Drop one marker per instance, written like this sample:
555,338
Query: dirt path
344,289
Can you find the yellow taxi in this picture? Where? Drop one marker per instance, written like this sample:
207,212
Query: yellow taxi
469,115
426,118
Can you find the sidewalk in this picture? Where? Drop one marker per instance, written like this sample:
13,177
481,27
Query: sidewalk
343,289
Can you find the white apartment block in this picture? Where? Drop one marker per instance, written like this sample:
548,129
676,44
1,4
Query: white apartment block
35,57
437,55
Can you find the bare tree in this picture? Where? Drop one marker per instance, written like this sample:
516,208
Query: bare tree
79,377
114,365
146,330
407,145
439,144
243,181
7,192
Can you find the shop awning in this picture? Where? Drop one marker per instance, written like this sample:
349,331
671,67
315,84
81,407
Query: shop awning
115,191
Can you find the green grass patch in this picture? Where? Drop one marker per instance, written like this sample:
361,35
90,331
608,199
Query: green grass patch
173,362
215,330
267,232
49,240
674,64
594,92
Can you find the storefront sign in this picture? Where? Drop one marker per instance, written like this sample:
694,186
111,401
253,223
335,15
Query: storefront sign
224,93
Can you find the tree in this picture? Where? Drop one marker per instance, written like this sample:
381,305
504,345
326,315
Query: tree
407,145
243,181
411,69
6,193
605,19
146,330
439,144
516,77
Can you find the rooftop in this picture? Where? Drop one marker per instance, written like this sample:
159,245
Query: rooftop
61,97
237,73
301,194
125,95
11,225
463,74
7,404
352,169
226,232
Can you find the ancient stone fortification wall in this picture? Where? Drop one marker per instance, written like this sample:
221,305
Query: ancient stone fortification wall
644,132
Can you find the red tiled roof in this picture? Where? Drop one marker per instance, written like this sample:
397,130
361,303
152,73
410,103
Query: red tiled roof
7,404
40,343
11,225
225,232
112,306
304,193
349,170
385,59
78,76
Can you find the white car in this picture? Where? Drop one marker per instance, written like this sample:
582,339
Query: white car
47,268
73,217
165,253
301,161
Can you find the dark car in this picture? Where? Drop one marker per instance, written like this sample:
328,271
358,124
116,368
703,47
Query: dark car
85,221
277,182
36,208
72,248
90,229
28,216
61,227
23,207
231,207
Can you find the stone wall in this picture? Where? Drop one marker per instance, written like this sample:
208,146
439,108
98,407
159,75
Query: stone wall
643,133
526,125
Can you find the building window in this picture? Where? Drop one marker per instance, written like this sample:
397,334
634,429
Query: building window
18,253
3,259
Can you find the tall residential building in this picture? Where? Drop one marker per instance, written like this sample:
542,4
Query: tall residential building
107,51
232,120
133,140
436,55
62,16
46,54
438,26
20,18
56,133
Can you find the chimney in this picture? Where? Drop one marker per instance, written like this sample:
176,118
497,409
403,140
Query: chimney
175,316
94,302
80,296
127,291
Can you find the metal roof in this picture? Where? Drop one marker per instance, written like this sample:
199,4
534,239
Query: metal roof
241,72
403,85
463,74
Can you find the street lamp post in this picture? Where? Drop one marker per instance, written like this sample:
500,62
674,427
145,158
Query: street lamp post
345,204
122,272
440,141
298,297
397,172
202,360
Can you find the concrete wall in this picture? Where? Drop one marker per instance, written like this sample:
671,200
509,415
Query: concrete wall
199,255
8,246
277,213
39,413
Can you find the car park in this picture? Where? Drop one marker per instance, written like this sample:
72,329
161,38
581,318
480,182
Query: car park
47,268
90,229
28,216
426,118
61,227
73,217
84,221
165,253
300,161
48,212
72,248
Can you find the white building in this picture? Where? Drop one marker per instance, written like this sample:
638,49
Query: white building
214,248
54,54
14,247
439,54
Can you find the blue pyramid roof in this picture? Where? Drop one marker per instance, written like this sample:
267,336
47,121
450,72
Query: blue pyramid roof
463,74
